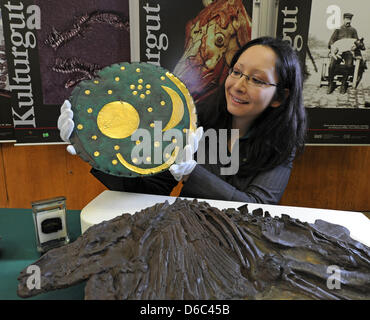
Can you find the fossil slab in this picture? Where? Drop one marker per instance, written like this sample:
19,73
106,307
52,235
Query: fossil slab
190,250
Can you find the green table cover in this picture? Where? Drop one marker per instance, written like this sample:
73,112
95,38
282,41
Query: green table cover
18,250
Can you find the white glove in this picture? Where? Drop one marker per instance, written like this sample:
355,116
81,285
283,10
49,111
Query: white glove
187,165
66,124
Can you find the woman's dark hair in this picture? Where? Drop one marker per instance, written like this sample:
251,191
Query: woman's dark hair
278,133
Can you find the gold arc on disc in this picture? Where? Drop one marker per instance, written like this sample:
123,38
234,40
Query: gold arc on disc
177,108
157,169
188,98
118,120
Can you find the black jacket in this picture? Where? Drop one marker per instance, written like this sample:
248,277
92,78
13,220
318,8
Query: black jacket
207,182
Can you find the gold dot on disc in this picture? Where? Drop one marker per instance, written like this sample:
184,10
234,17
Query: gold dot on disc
87,92
167,155
116,147
134,160
184,130
89,110
138,141
148,159
96,153
114,162
152,124
94,137
150,109
156,144
142,96
110,91
116,79
80,126
174,140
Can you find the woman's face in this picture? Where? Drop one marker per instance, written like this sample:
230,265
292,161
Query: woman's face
246,101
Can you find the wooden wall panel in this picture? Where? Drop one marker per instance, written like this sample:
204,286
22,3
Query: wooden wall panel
323,177
3,192
41,172
331,178
80,186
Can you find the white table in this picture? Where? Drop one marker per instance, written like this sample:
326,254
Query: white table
110,204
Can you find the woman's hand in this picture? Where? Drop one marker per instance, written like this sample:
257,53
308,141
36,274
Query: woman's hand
66,124
187,165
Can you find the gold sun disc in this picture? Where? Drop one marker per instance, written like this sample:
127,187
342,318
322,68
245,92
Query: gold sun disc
118,120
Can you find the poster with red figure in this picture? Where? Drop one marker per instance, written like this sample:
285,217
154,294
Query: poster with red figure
195,39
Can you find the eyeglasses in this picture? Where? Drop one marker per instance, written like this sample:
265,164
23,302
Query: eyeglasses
252,80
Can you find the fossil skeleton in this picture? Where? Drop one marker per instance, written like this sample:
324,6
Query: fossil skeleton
56,39
190,250
3,68
73,65
81,70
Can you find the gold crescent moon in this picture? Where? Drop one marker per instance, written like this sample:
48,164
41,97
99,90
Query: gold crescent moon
163,166
188,98
177,108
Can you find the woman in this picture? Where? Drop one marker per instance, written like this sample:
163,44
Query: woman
262,98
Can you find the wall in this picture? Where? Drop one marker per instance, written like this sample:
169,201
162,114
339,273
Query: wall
331,178
39,172
323,177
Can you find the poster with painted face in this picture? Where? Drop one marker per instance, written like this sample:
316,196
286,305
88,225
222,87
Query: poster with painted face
51,46
195,39
337,86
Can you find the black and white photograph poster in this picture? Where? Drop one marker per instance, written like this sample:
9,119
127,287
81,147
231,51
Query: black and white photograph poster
337,73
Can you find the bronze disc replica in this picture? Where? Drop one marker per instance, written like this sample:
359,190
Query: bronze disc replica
132,119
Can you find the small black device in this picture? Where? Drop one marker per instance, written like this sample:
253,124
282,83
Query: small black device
49,217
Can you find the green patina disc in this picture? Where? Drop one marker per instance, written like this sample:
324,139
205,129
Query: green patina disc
132,119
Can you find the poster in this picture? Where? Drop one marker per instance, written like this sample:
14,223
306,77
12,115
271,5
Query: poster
293,24
50,47
339,115
6,121
194,39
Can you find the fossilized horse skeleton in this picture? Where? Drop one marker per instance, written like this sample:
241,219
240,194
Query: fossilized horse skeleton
190,250
211,40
